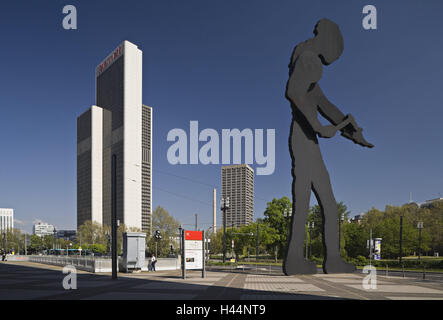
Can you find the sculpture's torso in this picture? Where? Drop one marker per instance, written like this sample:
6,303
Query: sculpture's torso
303,139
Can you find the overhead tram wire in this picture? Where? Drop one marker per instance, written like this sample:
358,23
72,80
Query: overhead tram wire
184,197
198,182
185,178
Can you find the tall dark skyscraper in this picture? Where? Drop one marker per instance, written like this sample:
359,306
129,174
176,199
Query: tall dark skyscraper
126,131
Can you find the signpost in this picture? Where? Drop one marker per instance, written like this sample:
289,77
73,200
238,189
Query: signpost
193,251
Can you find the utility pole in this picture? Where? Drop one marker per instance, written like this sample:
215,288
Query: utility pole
196,221
401,237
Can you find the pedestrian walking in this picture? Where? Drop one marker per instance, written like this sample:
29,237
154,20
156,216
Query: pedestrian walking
153,262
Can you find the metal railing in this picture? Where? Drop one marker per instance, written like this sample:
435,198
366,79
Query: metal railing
94,263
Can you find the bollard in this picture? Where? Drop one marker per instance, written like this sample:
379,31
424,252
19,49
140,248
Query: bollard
403,269
424,272
387,272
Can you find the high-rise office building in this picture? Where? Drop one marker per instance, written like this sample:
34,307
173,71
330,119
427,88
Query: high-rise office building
146,168
93,148
238,185
6,219
124,127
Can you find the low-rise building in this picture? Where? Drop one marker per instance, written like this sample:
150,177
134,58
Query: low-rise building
6,219
42,229
357,218
430,203
70,235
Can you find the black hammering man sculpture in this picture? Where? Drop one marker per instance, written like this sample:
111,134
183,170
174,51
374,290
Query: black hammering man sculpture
308,169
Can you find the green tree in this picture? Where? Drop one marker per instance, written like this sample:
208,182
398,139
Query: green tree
36,244
355,237
386,225
91,232
315,216
47,242
168,227
216,243
13,241
276,219
246,239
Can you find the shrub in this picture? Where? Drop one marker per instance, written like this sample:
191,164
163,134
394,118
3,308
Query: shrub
316,260
361,260
407,263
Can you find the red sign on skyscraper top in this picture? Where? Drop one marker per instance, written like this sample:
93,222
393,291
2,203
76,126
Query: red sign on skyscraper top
109,60
193,235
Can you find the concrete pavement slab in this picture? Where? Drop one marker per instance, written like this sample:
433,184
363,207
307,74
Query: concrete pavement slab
282,287
398,289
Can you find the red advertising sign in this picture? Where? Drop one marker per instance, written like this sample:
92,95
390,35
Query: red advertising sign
193,235
109,60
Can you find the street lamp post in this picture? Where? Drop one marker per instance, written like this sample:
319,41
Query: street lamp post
370,246
401,237
420,227
4,240
256,241
180,235
224,208
157,237
108,240
207,243
309,242
114,258
287,214
310,238
276,252
342,218
4,245
53,244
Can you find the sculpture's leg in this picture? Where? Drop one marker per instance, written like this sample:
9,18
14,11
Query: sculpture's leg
295,263
333,263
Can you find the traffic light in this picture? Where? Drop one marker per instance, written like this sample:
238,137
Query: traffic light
157,235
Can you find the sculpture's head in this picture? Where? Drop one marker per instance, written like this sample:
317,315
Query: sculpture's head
328,41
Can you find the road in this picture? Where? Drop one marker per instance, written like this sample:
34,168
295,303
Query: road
266,269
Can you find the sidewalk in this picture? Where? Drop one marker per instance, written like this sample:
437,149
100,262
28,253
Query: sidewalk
24,280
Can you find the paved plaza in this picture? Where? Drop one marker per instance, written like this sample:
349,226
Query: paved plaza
25,280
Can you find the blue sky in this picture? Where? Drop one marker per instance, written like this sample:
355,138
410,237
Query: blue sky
223,63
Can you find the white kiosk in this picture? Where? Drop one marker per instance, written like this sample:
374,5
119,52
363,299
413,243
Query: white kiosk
134,244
